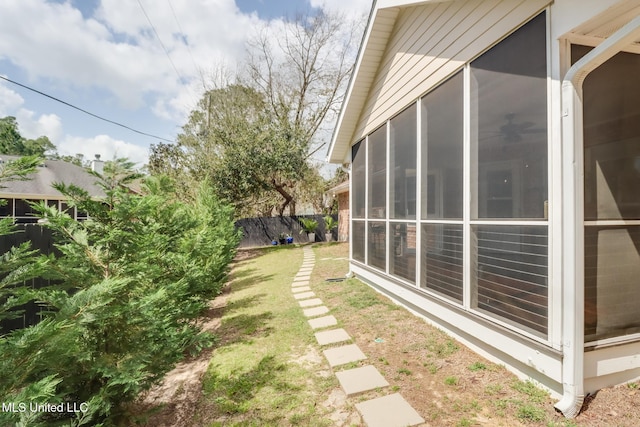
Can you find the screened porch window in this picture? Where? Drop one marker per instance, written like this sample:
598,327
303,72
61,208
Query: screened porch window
442,112
6,207
403,149
357,241
358,193
377,174
358,178
421,211
611,196
509,179
402,163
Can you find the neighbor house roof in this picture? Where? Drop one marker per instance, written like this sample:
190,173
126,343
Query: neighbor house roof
39,186
339,189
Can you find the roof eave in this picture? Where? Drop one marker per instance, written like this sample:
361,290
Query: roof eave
381,22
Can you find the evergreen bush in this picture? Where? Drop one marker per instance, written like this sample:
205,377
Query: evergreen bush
130,285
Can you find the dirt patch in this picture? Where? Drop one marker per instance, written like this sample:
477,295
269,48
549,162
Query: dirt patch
339,409
310,359
341,413
173,401
247,254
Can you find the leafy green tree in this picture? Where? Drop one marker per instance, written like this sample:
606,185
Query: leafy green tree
77,160
129,286
234,141
254,138
11,142
170,160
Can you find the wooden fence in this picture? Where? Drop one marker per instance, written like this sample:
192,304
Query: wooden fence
41,239
262,231
256,232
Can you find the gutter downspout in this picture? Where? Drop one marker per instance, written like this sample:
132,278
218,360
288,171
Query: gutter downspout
573,234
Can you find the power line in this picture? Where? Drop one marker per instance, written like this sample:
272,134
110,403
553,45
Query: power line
166,52
186,41
83,110
164,48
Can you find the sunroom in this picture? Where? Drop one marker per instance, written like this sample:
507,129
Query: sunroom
494,149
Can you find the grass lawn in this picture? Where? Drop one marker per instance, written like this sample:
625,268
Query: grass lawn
268,370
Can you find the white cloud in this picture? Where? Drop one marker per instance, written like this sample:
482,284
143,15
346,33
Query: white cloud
349,7
108,148
10,101
117,50
32,127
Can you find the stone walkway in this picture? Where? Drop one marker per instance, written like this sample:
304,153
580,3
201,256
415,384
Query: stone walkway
387,411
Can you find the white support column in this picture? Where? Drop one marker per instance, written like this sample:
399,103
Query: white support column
419,207
469,189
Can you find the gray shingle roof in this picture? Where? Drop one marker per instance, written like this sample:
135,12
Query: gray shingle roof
39,186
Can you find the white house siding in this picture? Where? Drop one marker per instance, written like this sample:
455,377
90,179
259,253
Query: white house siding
431,42
428,44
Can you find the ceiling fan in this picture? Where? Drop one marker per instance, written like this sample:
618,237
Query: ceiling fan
512,132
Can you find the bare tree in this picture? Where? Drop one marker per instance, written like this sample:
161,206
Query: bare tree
253,134
302,68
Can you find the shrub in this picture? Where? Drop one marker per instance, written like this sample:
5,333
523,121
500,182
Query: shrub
330,223
128,288
309,225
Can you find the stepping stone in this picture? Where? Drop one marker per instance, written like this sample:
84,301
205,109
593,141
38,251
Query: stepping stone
358,380
305,270
300,283
332,336
304,295
301,277
300,289
345,354
389,411
322,322
315,311
310,302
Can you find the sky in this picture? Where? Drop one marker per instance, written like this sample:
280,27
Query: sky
140,63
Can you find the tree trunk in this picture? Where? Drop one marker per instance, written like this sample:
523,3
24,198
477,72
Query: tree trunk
288,199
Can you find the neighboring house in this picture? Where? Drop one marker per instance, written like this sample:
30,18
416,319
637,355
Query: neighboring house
495,166
341,192
39,187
